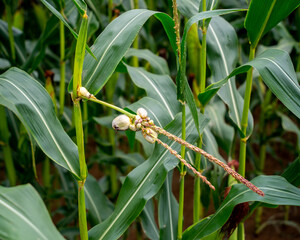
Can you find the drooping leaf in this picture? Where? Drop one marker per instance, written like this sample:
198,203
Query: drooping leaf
23,215
159,64
98,205
141,184
277,191
114,41
264,15
222,56
31,103
159,87
277,71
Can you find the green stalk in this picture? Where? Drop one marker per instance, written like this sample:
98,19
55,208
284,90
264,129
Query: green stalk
62,84
4,135
197,210
10,32
83,171
78,65
82,212
85,120
182,174
135,45
110,9
244,124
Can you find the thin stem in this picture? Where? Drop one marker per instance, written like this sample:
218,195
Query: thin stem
182,174
80,141
10,32
4,135
197,209
62,83
82,211
244,123
94,99
85,120
110,9
135,45
197,190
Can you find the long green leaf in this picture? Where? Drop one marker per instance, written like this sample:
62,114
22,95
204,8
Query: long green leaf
277,191
31,103
23,215
264,15
159,64
277,71
141,184
114,41
222,56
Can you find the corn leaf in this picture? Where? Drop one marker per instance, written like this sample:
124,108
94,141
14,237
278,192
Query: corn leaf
23,215
31,103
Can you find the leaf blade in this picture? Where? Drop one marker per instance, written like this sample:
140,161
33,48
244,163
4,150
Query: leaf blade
32,104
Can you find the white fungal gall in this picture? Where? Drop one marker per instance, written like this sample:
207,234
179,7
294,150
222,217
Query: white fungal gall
121,122
82,91
142,112
137,118
150,135
132,127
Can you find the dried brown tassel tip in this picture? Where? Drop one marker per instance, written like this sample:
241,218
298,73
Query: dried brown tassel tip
189,166
209,157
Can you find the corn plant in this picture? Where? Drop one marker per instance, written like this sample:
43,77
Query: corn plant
122,113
